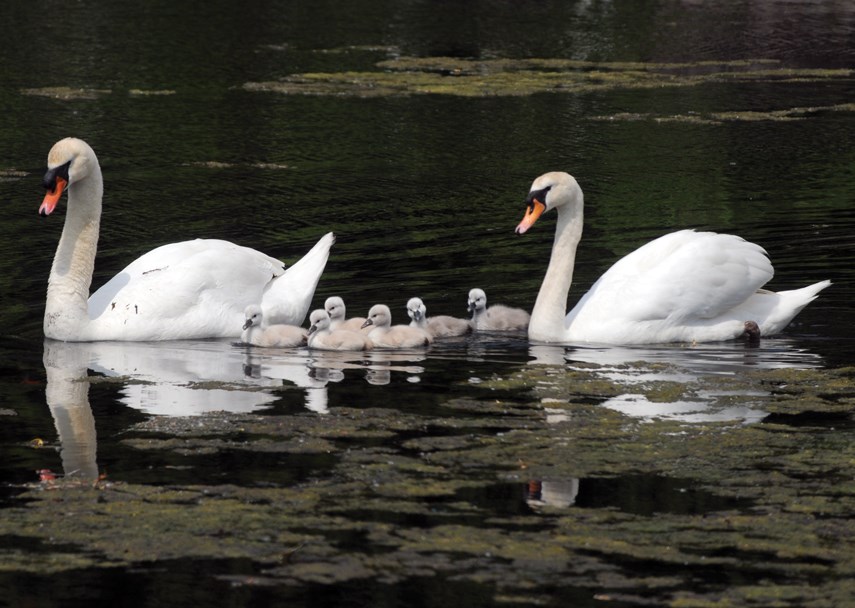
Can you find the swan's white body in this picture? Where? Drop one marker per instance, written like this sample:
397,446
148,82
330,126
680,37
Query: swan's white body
321,337
439,326
255,332
497,317
686,286
385,335
335,308
193,289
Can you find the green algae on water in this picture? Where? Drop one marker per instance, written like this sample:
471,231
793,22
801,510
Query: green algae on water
66,93
715,118
514,77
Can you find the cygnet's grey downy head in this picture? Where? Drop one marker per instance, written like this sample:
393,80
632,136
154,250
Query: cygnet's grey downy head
319,320
477,300
379,316
334,306
416,309
253,316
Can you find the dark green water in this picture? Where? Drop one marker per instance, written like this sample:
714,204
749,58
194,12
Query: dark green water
423,192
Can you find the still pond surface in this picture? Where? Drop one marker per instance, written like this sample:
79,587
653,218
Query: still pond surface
485,470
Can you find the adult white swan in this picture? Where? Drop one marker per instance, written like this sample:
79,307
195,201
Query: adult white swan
187,290
686,286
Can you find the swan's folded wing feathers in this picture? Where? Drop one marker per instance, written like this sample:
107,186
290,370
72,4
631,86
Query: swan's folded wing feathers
207,276
172,253
679,276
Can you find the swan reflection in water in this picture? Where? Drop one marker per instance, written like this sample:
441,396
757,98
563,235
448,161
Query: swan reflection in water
636,365
632,366
189,378
67,395
314,370
551,493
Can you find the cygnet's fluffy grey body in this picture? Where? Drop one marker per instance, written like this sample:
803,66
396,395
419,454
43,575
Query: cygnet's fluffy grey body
336,310
440,326
322,337
286,336
386,335
497,317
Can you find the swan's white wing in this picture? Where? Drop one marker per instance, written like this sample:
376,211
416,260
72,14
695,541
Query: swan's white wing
163,258
680,278
182,290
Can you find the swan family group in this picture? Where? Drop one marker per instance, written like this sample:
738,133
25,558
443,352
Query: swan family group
686,286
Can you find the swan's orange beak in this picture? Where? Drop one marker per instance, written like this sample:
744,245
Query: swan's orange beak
534,210
52,197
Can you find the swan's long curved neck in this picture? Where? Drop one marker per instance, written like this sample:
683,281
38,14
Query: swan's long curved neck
66,306
547,318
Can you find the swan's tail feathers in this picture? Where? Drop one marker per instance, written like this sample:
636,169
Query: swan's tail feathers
288,297
316,259
813,290
791,303
804,296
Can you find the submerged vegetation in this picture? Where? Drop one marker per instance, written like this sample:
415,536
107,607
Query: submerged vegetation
501,491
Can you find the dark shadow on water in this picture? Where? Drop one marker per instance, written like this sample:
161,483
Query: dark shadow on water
827,420
244,468
643,495
651,494
240,583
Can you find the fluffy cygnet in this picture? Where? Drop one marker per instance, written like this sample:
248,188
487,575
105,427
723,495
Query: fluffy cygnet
324,338
386,335
440,326
273,335
336,310
497,316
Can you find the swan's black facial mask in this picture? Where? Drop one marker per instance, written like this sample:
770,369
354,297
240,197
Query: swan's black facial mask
538,196
535,206
50,178
54,181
